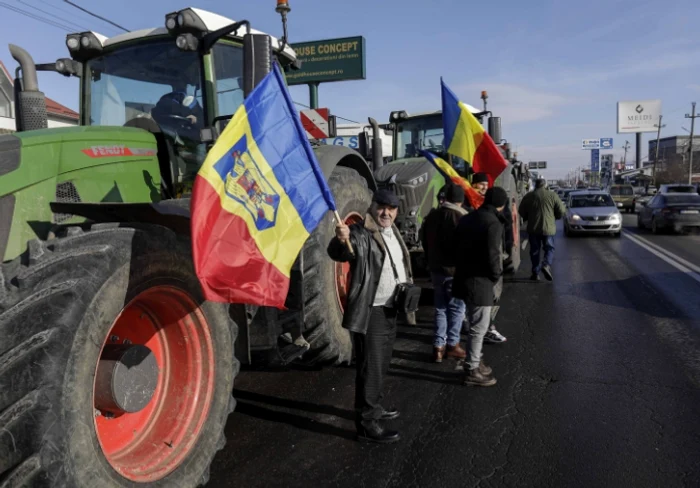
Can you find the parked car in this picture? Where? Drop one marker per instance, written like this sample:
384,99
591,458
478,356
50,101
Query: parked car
670,211
565,194
623,196
678,188
592,212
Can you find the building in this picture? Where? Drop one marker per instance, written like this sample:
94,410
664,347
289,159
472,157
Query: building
674,158
59,115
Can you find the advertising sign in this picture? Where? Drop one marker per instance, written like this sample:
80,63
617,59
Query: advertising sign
641,116
537,165
590,144
329,60
606,143
595,160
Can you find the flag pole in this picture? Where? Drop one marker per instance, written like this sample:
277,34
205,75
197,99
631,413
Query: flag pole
347,243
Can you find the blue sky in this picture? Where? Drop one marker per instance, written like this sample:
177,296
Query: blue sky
554,70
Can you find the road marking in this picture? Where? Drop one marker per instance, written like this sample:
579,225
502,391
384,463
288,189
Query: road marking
668,253
677,262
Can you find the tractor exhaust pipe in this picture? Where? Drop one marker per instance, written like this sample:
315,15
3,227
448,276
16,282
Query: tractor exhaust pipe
30,103
377,156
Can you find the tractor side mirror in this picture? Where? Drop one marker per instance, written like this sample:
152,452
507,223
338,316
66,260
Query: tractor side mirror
257,60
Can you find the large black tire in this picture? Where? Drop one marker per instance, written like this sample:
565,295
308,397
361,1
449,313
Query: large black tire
330,343
57,304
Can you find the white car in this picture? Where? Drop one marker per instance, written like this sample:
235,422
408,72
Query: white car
592,212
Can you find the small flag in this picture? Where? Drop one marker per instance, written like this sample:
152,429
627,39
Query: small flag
256,199
467,139
448,172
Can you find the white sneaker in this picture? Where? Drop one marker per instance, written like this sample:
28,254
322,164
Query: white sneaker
494,337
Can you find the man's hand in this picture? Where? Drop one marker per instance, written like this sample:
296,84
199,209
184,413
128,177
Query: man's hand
342,232
192,118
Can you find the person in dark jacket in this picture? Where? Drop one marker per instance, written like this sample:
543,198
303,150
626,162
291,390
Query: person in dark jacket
441,252
541,209
378,262
480,182
479,268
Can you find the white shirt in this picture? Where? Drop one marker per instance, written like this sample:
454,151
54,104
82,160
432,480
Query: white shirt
387,281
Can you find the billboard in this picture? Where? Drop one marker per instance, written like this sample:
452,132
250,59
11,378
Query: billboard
640,116
329,60
590,144
537,165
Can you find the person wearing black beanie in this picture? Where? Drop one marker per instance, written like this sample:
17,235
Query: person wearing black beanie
479,268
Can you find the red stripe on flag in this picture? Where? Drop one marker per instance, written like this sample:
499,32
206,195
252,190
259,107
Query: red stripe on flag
229,265
488,158
310,127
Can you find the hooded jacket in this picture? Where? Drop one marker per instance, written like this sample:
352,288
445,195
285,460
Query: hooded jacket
365,269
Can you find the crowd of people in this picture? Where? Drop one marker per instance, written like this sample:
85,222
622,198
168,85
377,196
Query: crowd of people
465,252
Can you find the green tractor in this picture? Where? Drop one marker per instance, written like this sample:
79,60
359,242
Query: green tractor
114,372
417,182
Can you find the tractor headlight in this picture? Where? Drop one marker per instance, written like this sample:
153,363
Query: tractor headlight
184,21
84,45
418,180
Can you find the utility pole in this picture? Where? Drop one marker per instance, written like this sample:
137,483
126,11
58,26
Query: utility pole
656,159
692,129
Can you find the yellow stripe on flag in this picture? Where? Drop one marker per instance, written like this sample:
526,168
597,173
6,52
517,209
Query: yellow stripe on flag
467,136
289,227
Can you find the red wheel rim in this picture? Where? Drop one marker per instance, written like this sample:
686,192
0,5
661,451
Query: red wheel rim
342,270
146,446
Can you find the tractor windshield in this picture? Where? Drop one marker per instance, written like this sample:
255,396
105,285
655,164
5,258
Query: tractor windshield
144,83
419,133
425,133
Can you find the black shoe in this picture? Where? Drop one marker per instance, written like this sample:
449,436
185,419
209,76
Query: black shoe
535,277
547,272
376,433
390,414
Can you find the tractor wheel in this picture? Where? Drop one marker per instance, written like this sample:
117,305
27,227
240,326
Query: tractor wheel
114,372
326,283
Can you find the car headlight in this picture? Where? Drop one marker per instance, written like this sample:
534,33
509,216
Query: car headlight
615,217
418,180
575,217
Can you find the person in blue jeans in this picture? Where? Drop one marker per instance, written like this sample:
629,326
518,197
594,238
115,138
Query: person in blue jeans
541,209
439,245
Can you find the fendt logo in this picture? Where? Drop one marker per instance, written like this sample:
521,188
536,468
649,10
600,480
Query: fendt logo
116,151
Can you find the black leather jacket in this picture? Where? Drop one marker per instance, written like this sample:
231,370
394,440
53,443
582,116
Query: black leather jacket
365,269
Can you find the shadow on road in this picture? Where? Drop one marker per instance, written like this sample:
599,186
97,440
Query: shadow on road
419,357
411,336
637,290
297,421
442,377
293,404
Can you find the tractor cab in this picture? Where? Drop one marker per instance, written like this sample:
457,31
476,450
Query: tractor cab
181,82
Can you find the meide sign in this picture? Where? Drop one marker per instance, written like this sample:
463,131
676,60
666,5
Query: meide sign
640,116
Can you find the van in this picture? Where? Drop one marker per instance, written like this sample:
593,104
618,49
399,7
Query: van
623,196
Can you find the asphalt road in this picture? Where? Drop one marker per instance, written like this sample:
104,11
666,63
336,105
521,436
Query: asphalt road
598,386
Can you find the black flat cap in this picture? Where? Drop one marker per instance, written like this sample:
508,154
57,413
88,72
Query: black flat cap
386,197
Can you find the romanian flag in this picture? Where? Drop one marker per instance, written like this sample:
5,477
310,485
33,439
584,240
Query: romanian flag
257,198
466,138
449,173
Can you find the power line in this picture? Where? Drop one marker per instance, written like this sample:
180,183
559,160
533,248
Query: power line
36,17
96,16
82,27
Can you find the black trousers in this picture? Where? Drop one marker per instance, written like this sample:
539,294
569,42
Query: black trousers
372,356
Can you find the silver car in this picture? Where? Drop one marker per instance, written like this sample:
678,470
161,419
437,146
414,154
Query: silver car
592,212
